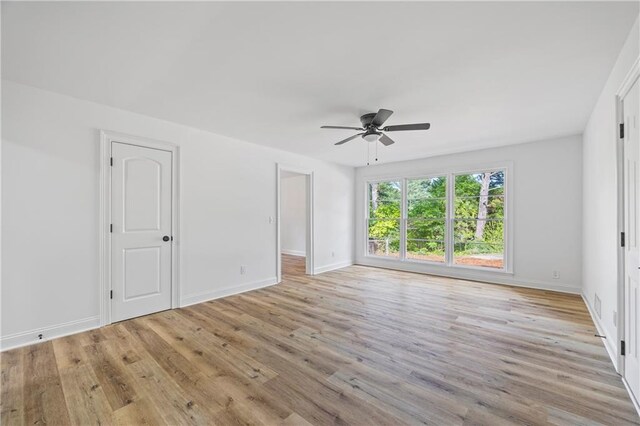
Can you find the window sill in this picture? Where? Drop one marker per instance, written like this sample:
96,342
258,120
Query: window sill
440,265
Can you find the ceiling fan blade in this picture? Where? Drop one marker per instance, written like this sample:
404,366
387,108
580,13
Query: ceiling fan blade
386,140
417,126
341,127
349,139
381,117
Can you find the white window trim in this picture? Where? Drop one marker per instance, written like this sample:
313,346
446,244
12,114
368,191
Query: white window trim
506,167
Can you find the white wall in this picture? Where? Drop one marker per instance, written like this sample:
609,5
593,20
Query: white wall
293,215
600,242
546,189
50,203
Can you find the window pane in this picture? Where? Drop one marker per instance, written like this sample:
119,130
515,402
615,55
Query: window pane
479,254
426,198
427,188
425,229
427,208
492,206
384,200
479,219
491,183
425,240
479,243
384,237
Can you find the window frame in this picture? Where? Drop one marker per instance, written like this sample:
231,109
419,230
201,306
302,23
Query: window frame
449,174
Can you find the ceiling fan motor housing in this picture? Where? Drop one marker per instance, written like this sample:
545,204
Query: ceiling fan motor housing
367,119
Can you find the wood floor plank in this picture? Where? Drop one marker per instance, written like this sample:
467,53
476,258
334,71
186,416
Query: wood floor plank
167,399
200,391
353,346
117,384
214,354
11,398
69,351
140,412
85,398
44,401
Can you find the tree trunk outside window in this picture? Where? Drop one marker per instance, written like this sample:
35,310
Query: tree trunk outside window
483,201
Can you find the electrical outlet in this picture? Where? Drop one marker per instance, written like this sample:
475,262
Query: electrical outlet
270,219
40,336
615,319
555,275
243,269
597,305
333,254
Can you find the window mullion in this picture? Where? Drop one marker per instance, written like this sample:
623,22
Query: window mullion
449,226
403,221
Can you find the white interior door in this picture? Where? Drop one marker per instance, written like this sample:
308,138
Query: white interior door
141,238
631,104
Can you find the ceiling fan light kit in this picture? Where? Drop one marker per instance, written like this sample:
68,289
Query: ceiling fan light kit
371,137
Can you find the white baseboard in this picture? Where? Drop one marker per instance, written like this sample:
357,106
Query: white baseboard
610,341
470,275
30,337
635,402
293,252
540,285
224,292
332,266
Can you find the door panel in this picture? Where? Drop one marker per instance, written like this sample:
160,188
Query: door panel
142,272
142,194
631,104
141,214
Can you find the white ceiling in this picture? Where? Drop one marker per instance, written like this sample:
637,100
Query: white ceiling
483,74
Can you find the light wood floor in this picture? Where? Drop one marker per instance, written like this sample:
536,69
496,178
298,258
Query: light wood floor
357,346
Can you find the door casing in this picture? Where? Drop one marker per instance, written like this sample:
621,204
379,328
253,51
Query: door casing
104,234
628,82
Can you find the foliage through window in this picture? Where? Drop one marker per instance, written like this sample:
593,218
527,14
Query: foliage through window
479,219
384,218
426,218
454,219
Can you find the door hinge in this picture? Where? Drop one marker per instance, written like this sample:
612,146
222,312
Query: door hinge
111,227
622,348
110,294
111,161
621,130
622,239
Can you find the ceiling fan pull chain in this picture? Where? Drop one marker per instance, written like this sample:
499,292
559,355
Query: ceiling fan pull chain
376,151
368,154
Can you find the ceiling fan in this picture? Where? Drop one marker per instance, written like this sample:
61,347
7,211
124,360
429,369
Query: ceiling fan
372,130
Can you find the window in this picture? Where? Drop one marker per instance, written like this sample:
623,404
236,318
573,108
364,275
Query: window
385,199
479,219
426,218
455,219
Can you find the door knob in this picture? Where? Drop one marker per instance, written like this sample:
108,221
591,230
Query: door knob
166,238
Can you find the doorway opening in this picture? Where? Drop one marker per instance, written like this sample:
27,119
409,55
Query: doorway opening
295,222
